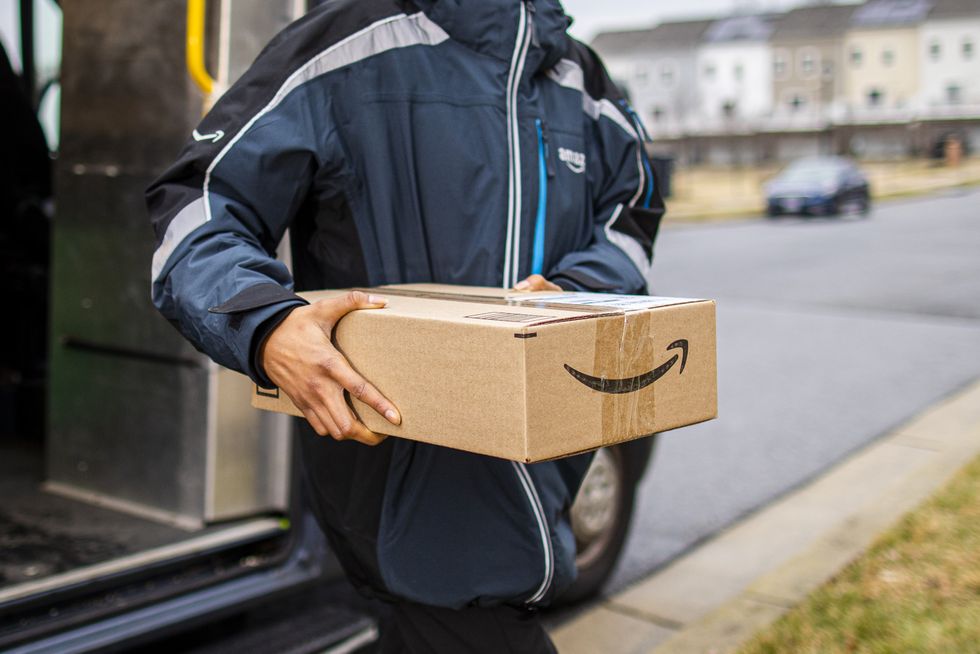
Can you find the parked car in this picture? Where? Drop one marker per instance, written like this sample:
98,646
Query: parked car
818,186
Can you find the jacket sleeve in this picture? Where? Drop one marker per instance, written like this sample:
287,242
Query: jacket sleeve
625,197
220,211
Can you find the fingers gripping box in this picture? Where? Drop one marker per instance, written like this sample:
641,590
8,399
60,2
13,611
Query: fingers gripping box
527,376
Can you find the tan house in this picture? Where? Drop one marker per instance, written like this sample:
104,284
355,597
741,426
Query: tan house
807,61
881,50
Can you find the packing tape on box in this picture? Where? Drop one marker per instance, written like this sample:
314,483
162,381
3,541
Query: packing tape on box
516,300
622,366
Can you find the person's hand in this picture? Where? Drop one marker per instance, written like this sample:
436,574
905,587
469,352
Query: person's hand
299,357
536,283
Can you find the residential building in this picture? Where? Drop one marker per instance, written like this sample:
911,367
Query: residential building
882,79
881,48
624,54
735,72
949,58
807,47
658,67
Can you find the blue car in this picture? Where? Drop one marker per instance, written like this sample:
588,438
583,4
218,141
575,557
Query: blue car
824,186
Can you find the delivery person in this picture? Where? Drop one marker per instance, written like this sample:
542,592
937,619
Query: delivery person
454,141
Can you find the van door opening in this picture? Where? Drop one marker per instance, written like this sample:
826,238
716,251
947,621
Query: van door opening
121,448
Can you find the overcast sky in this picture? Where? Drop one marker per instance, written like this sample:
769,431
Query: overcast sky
593,16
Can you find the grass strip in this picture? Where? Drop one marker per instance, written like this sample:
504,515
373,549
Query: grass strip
916,590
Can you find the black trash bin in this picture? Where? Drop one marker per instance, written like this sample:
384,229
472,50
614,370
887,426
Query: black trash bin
663,167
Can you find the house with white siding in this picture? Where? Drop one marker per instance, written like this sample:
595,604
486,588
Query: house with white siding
624,53
658,67
735,73
949,58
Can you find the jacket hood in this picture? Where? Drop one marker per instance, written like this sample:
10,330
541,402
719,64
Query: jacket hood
490,27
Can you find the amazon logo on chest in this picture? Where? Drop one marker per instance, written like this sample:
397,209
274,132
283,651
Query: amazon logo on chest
574,160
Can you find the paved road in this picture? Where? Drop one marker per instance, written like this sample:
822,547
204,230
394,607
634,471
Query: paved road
830,332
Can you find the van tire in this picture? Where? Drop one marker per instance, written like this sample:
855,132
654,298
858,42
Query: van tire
611,482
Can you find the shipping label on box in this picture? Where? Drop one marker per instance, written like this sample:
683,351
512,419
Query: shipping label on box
528,376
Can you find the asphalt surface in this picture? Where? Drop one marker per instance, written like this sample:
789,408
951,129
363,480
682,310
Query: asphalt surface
830,331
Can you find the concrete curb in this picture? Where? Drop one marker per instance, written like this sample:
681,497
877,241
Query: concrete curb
717,596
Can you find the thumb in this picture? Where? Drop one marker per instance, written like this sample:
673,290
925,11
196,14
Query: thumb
532,283
336,308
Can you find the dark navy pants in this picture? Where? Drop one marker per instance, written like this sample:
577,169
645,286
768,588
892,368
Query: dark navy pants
418,629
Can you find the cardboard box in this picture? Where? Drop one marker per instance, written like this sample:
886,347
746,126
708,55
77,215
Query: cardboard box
528,376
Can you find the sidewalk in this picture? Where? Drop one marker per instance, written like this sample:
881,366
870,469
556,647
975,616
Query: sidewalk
717,596
712,194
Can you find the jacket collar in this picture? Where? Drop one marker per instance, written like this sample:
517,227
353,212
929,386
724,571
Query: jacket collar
490,27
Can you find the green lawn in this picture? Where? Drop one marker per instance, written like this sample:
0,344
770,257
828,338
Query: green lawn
917,590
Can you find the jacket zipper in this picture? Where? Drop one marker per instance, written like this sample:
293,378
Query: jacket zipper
513,239
538,510
511,268
545,172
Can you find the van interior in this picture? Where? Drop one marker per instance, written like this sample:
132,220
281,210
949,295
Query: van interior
124,453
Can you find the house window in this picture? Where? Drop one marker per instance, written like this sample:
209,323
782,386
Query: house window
640,75
935,51
856,57
967,49
779,66
808,63
667,74
709,71
796,102
888,57
657,113
739,72
728,108
876,97
828,68
954,95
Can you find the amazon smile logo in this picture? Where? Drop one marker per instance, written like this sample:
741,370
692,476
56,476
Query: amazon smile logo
214,137
633,384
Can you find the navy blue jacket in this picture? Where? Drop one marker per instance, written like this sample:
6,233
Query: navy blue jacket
465,142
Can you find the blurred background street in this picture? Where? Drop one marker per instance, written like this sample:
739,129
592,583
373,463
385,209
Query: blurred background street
712,193
830,332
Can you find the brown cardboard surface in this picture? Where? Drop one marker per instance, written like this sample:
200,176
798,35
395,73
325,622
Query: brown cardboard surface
528,376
